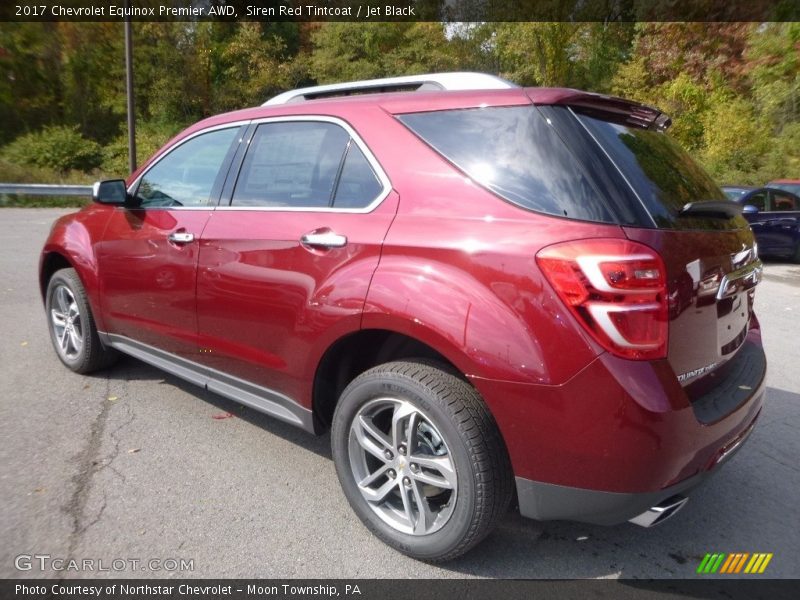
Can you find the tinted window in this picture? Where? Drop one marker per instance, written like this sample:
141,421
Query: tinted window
291,164
515,153
358,185
187,175
663,175
783,201
734,193
794,188
759,200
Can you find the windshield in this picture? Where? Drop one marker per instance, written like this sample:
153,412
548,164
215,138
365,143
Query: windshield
789,187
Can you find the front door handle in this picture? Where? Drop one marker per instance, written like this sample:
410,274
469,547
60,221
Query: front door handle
323,239
181,237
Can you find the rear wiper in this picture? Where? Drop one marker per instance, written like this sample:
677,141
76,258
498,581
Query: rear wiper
719,209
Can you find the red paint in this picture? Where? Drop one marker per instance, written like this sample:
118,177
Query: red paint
441,260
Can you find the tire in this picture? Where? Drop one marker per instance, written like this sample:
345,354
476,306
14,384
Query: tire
71,325
796,256
447,457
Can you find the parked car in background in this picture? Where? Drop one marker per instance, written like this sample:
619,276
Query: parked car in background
790,185
484,294
774,215
737,191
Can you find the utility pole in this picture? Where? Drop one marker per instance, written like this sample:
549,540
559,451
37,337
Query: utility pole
129,91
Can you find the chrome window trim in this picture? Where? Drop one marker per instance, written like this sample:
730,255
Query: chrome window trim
373,162
135,185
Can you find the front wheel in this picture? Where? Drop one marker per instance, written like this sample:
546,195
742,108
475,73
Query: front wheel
71,324
420,459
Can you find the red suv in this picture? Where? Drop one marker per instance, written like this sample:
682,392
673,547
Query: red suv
486,295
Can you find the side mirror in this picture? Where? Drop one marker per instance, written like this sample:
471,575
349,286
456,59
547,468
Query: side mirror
111,191
749,209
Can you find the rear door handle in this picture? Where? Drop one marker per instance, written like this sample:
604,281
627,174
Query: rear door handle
324,239
181,237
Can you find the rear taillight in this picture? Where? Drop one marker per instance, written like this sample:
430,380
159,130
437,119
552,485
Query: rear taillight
618,291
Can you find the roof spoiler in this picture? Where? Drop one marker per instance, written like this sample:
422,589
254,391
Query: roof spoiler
409,83
611,108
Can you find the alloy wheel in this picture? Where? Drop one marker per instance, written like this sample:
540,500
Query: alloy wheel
65,319
402,466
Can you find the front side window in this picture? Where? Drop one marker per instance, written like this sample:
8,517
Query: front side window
187,175
758,200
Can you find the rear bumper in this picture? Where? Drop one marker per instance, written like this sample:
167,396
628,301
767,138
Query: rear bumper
549,502
619,437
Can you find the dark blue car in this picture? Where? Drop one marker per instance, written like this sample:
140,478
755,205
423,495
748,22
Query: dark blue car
774,215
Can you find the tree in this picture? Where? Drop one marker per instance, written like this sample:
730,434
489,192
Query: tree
354,51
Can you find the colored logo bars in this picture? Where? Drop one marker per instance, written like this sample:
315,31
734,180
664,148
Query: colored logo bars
734,563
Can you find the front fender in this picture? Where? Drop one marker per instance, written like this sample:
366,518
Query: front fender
72,238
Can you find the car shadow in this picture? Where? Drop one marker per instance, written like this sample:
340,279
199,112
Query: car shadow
734,511
131,369
725,514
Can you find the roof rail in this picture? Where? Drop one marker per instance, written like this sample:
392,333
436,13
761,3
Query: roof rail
409,83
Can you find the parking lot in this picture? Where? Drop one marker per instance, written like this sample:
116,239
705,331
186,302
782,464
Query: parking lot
134,465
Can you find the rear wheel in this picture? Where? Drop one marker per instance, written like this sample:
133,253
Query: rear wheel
71,324
420,459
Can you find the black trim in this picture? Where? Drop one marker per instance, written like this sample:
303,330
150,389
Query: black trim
232,174
550,502
256,397
725,389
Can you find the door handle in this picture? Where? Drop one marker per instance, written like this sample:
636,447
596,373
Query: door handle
324,239
180,237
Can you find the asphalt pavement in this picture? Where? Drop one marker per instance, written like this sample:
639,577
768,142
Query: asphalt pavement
132,465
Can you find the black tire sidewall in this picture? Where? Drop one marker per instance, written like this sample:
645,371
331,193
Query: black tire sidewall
394,385
69,279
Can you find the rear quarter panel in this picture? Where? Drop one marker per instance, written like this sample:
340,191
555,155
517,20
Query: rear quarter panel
458,272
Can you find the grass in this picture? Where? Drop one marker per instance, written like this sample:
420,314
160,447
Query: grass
16,201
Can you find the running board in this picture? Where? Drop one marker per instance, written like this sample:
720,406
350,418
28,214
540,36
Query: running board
256,397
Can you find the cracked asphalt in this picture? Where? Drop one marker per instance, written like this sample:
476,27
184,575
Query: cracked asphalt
132,464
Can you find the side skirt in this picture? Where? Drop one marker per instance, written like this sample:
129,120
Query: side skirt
256,397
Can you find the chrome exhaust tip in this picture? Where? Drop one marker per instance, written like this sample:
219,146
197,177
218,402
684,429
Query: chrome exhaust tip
660,512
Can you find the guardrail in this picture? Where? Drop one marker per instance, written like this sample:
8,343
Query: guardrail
45,189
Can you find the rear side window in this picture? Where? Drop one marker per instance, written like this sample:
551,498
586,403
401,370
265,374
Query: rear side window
291,164
358,185
305,164
783,201
515,153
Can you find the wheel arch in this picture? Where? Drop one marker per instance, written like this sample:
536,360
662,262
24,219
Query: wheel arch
51,262
346,358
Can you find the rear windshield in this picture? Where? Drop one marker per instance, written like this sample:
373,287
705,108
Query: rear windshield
661,173
515,153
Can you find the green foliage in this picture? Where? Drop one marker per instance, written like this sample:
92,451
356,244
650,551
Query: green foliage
735,141
732,89
149,138
349,51
58,147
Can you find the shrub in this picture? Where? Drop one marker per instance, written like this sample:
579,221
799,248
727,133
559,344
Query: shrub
149,138
57,147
